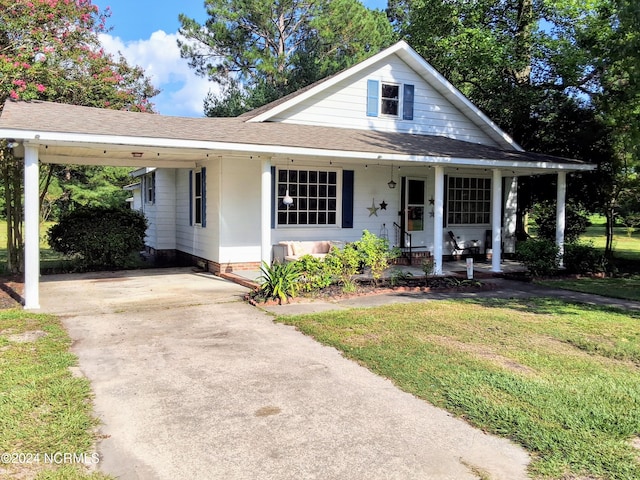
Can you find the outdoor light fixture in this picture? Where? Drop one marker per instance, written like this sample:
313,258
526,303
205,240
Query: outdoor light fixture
391,183
11,143
287,200
136,154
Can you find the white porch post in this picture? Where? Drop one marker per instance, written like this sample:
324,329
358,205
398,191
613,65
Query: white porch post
31,228
438,220
496,219
265,208
561,213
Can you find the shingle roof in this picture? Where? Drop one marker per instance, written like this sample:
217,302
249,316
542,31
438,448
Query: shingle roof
50,117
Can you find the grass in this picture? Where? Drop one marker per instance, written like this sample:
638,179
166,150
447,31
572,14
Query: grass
44,409
626,288
625,247
562,380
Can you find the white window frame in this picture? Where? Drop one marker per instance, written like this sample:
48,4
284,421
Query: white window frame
297,196
398,101
464,199
197,185
149,190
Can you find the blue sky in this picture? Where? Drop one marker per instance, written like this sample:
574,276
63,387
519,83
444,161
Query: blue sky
145,32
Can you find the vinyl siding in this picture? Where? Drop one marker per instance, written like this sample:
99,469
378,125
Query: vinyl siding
196,240
345,105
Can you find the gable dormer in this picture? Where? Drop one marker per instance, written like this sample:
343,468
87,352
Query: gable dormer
393,91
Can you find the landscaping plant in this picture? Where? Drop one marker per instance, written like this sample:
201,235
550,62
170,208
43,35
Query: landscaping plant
374,253
316,274
279,281
540,256
344,263
99,236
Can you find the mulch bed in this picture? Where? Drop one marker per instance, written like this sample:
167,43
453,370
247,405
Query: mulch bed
11,292
335,293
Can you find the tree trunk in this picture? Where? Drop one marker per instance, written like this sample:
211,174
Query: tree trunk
12,179
610,216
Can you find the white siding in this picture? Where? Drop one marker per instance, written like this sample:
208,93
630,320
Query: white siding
165,209
194,239
240,239
345,105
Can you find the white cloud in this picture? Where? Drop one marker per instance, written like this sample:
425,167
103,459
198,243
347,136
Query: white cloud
182,92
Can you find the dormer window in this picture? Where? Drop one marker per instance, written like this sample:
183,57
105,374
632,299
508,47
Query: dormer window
390,99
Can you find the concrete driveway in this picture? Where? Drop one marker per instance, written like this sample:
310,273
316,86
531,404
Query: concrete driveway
192,383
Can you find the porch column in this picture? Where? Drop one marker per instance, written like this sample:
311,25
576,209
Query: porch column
510,214
438,220
561,213
31,228
265,210
496,219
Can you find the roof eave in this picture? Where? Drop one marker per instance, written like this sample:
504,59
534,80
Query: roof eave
52,138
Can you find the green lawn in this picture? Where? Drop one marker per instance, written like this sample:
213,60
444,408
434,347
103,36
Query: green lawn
49,260
43,408
562,380
625,247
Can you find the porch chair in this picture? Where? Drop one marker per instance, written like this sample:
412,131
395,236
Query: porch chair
457,249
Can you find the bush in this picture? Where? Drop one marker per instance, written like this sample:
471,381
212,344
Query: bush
280,280
374,253
316,274
540,256
100,237
576,221
344,264
583,258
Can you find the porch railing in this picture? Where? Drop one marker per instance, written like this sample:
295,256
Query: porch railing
403,241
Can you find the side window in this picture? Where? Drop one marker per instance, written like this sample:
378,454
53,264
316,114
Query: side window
198,197
150,188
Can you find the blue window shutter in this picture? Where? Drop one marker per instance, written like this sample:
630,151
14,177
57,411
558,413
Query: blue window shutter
407,102
347,198
203,176
273,197
372,98
191,197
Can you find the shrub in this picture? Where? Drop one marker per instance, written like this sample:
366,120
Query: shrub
576,221
344,263
374,253
583,258
315,273
100,237
540,256
280,280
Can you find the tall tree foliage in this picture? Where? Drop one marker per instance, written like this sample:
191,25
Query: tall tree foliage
546,71
261,50
49,50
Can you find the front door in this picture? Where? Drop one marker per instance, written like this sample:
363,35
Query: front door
413,209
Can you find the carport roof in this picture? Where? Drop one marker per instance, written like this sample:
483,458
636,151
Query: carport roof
49,121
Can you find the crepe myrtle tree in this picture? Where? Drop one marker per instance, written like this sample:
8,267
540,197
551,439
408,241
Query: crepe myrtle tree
50,50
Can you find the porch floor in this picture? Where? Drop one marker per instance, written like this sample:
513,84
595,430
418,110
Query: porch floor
449,268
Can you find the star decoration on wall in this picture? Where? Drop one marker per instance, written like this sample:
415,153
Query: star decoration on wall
373,210
431,213
383,205
432,201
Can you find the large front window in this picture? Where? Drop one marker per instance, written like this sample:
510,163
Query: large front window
469,201
314,197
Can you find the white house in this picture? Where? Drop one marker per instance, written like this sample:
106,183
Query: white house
214,190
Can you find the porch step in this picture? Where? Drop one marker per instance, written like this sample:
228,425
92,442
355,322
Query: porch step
418,254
